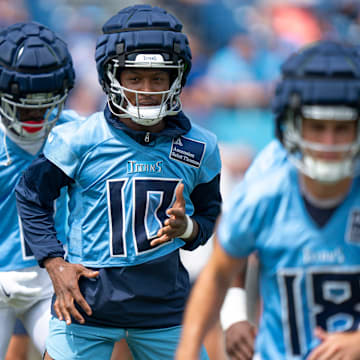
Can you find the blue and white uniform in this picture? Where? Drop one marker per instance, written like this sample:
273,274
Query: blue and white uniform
309,260
120,184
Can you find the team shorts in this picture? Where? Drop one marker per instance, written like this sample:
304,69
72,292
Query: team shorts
82,342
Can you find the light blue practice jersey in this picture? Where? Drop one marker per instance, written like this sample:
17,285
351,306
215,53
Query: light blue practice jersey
309,276
14,252
122,189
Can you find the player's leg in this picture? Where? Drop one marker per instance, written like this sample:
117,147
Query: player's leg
80,342
18,348
19,343
36,316
156,344
36,321
121,351
8,317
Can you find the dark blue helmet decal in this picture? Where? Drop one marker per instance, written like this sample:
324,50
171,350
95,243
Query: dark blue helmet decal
142,29
33,59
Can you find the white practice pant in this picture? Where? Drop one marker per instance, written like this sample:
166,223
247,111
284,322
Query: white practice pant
25,294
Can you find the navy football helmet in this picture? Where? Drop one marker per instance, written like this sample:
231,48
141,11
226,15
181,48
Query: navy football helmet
321,81
142,36
36,74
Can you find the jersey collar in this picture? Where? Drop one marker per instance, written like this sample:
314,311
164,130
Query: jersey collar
175,126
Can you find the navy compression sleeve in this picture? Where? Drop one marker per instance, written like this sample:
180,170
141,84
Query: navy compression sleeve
35,195
207,206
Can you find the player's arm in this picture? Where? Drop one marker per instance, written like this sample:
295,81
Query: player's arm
239,332
336,346
198,228
205,300
36,192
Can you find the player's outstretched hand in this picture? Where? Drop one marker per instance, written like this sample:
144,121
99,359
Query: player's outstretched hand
239,340
176,224
65,279
336,346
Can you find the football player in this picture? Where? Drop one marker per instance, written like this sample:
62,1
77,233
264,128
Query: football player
240,311
143,182
36,74
301,216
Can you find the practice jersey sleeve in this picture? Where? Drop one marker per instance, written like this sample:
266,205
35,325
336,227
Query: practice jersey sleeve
236,231
65,159
207,205
36,209
206,197
243,225
253,198
211,163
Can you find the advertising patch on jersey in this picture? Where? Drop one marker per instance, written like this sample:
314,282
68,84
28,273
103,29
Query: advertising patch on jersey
354,227
187,151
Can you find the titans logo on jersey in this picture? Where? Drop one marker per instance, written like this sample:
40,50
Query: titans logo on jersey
309,274
123,189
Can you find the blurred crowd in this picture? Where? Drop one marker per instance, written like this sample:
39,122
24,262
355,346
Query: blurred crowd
237,46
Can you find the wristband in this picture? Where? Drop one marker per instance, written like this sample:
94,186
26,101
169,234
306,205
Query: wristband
189,228
234,307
